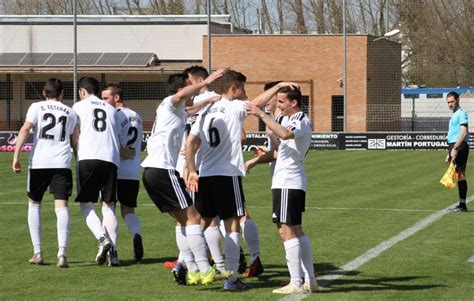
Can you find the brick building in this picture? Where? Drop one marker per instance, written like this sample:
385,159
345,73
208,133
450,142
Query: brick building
316,62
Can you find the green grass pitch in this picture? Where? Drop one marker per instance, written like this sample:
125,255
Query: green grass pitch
350,204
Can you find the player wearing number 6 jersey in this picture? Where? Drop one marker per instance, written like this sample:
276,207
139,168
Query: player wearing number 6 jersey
53,125
218,132
98,157
128,182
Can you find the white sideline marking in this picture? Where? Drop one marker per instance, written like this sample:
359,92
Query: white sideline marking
471,259
382,247
269,207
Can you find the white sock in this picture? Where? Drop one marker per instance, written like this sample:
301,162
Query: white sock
109,221
231,251
133,223
250,234
92,220
293,260
34,224
213,239
221,227
62,224
307,259
185,250
197,244
180,257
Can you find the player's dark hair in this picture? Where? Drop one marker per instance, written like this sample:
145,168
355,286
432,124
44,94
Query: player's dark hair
271,85
177,81
453,94
53,88
231,77
90,84
116,89
292,93
198,71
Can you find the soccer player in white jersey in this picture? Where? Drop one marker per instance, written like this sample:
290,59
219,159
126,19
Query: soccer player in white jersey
248,225
195,105
289,185
98,156
53,124
162,182
268,154
219,186
128,174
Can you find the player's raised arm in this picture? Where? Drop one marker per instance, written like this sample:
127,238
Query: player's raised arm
267,95
277,129
195,108
186,92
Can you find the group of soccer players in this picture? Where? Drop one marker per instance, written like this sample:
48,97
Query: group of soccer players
193,171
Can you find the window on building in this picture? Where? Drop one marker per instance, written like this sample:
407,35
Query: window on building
337,113
144,90
34,90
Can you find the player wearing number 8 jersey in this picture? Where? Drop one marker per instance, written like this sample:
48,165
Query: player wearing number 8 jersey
98,157
53,124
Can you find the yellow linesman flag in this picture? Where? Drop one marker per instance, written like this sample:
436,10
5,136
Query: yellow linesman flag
449,178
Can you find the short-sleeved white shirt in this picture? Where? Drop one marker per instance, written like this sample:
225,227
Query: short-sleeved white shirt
289,168
189,123
219,127
101,128
53,124
164,143
130,169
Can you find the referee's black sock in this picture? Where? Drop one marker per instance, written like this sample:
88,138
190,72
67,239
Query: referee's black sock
462,188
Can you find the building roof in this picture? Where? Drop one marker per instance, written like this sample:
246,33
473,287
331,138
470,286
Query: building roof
84,59
111,19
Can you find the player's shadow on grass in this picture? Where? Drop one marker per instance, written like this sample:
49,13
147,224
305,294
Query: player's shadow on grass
274,276
375,284
145,260
127,262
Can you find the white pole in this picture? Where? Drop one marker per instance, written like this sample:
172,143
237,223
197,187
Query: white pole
74,12
345,61
209,36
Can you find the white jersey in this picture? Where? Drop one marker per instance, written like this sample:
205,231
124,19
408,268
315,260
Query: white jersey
219,127
189,123
53,124
283,120
289,168
101,129
130,169
164,143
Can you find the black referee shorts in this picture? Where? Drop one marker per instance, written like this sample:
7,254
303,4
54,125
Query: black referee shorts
462,156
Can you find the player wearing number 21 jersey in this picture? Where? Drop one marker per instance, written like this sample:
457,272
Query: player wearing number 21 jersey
53,125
